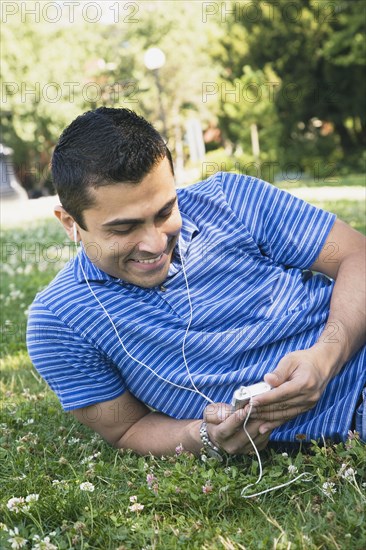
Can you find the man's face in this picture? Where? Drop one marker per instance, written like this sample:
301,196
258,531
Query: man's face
133,228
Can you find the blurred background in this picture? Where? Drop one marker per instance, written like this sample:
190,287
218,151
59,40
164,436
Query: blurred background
274,89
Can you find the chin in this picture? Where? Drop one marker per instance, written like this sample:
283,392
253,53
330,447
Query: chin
147,284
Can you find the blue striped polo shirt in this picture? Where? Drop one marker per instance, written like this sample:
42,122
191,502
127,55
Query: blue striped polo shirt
246,246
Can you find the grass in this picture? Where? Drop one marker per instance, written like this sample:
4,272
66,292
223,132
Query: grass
185,503
331,179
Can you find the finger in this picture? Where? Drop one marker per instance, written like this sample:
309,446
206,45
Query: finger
268,427
288,391
280,411
261,441
216,413
258,441
239,442
234,424
276,378
282,372
280,418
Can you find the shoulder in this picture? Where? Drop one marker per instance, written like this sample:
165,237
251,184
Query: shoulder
224,182
63,297
224,190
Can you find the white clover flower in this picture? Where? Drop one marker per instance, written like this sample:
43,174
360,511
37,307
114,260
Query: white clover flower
292,469
60,484
16,504
328,488
32,498
44,544
15,539
285,455
88,459
133,498
3,527
29,421
86,486
136,507
346,473
349,473
73,440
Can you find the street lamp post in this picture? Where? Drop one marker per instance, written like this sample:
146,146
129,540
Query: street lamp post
154,59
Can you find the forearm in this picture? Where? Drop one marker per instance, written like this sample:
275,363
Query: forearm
345,330
160,435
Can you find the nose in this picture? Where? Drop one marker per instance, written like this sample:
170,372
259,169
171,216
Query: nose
154,241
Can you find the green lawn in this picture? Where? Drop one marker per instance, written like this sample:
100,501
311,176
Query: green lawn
185,503
331,179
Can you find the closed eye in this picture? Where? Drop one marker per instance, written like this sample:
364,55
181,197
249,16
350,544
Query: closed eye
164,215
161,216
122,232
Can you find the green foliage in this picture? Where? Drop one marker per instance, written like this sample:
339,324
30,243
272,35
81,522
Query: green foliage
53,72
42,94
295,69
316,52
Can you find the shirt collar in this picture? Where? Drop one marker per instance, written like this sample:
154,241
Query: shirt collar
84,267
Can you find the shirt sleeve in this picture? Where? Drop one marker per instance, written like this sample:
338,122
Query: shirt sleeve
74,368
289,230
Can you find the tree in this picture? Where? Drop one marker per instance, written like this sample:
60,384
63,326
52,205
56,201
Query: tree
54,72
316,50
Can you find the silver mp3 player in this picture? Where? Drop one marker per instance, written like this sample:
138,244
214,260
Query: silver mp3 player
243,394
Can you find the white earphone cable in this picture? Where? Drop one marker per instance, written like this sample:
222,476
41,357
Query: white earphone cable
188,327
194,389
309,476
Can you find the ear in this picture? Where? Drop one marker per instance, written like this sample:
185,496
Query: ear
67,221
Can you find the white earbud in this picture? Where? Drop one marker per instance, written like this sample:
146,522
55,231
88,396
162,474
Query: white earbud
75,233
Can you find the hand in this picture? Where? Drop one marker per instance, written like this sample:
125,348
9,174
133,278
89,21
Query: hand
225,429
298,383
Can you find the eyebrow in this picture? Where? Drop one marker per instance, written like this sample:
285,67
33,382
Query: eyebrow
125,221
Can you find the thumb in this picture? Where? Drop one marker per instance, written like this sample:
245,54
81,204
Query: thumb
215,413
281,373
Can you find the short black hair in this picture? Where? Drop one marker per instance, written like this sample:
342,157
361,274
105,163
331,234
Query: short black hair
103,147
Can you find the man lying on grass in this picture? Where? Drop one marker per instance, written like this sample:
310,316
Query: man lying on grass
178,297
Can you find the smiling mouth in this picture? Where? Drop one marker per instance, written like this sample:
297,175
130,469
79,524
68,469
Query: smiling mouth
151,261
